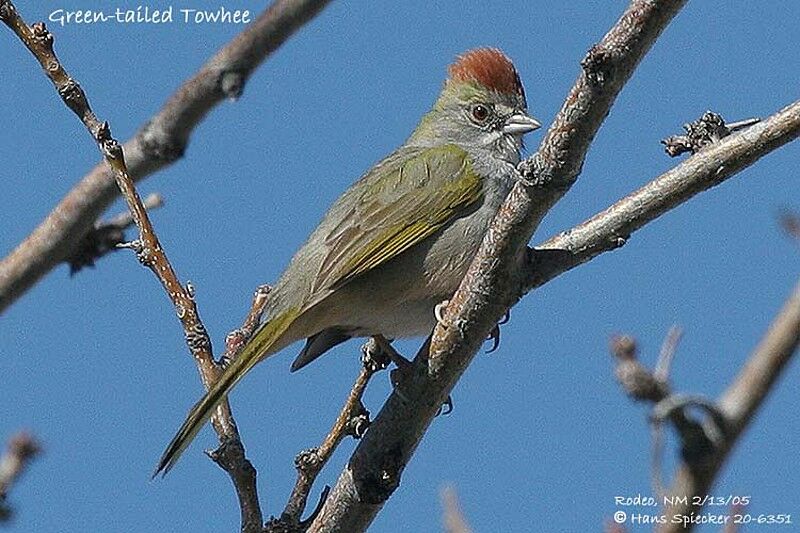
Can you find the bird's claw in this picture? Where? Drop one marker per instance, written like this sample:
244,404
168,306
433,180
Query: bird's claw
438,309
494,335
446,408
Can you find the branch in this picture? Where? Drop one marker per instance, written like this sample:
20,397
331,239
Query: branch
454,521
230,455
148,249
106,236
709,167
706,130
492,283
642,384
353,420
738,405
158,143
22,449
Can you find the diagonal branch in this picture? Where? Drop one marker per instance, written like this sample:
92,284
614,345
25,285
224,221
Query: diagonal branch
158,143
742,399
492,283
353,420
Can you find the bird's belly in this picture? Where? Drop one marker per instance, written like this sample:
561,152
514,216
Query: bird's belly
398,298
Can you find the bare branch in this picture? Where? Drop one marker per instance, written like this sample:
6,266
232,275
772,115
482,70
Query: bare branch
148,249
106,236
353,420
492,283
454,521
668,349
158,143
610,229
698,438
705,446
22,449
230,455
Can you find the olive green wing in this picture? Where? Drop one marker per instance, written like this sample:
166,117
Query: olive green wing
399,203
403,203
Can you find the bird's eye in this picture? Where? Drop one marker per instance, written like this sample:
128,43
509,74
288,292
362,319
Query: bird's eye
480,112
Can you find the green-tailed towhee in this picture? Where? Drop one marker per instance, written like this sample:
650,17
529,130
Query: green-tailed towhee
400,240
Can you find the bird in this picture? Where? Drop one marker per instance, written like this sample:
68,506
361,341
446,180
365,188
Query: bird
399,241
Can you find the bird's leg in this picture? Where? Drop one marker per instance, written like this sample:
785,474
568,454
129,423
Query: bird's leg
494,335
404,370
404,366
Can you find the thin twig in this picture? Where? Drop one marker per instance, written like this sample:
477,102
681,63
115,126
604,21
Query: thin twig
656,459
353,420
705,446
698,439
310,462
159,142
640,384
668,349
230,455
236,339
150,253
22,449
124,220
106,236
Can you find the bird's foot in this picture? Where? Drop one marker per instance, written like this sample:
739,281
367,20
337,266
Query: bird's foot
373,356
404,370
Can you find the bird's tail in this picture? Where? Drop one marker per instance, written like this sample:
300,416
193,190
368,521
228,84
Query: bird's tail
251,354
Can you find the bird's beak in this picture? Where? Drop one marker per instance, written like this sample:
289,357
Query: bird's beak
520,124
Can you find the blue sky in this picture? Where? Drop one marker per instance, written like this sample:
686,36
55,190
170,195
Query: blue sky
541,437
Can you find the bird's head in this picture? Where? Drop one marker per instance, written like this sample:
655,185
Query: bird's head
481,107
